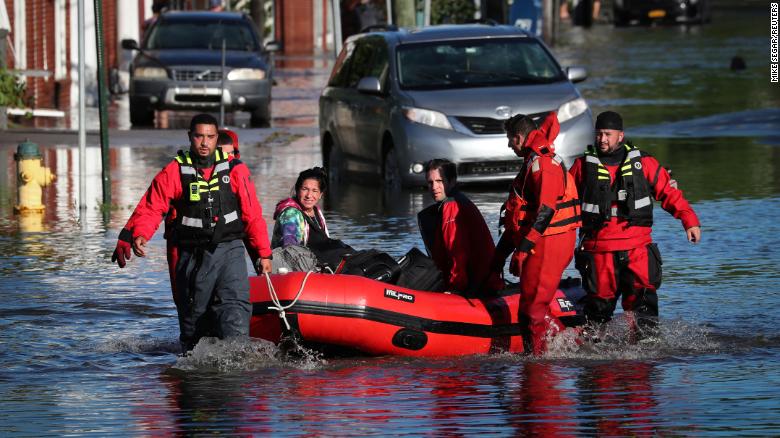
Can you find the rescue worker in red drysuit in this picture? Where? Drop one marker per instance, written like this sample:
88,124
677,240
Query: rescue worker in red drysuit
227,140
455,233
617,183
542,214
214,208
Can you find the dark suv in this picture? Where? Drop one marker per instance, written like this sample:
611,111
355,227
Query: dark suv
627,12
179,67
398,98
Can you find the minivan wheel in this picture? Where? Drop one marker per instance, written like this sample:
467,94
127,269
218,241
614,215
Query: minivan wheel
335,163
391,173
141,115
261,117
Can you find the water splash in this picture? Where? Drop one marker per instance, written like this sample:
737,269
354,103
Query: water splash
616,340
246,354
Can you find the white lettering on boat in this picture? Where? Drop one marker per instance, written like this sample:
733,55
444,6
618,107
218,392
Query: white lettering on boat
400,296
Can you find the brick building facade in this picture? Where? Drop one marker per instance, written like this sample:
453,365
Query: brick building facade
42,42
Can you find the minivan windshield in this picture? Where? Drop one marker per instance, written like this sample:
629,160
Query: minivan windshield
202,34
475,63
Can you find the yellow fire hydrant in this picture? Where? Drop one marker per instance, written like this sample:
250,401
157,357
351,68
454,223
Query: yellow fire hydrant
31,176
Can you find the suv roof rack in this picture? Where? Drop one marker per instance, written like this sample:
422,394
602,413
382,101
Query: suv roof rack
379,28
488,21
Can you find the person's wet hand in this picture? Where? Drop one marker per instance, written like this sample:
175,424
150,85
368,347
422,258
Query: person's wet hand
694,234
262,266
121,252
139,246
516,265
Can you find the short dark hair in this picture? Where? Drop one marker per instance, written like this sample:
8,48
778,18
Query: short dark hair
446,168
317,173
203,119
223,138
519,124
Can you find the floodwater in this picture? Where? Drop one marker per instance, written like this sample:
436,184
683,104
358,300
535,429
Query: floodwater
88,349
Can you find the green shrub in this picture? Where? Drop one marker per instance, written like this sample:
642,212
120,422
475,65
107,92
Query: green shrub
452,11
11,90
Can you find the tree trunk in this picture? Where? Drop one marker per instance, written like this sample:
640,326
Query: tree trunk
257,12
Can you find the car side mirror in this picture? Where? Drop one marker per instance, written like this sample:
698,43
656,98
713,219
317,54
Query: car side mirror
576,74
130,44
273,46
369,85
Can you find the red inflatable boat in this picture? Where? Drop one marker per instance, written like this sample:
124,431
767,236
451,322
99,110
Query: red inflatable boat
377,318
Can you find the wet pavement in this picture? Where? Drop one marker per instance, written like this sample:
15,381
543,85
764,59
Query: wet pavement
89,349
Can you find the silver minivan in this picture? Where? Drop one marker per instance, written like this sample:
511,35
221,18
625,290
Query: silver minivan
397,98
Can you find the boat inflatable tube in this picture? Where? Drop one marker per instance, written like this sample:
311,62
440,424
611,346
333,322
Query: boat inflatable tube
377,318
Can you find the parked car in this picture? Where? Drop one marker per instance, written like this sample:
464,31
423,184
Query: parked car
179,67
397,98
627,12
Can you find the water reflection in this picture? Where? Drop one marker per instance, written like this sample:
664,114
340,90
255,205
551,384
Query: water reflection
618,399
466,396
544,404
706,167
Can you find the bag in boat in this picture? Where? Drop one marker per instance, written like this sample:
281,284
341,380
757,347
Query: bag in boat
370,263
419,272
294,258
330,252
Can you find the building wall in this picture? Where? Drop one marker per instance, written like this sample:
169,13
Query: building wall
48,46
295,29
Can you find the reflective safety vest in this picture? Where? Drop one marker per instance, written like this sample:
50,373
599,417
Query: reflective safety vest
207,212
566,216
631,191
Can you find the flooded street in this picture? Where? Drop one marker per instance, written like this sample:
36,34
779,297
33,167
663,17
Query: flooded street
89,349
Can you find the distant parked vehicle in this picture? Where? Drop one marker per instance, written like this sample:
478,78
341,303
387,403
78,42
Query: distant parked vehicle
397,98
179,67
627,12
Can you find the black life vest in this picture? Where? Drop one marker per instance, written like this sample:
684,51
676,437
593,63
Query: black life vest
631,191
207,212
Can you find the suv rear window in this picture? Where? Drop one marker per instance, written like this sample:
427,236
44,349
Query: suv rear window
475,63
201,34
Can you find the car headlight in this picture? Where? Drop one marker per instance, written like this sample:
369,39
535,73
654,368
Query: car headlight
427,117
242,74
572,109
150,73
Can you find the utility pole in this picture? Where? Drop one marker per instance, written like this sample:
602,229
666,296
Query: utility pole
257,12
82,119
103,106
337,27
550,21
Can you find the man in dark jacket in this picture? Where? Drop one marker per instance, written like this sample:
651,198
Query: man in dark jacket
617,183
455,233
215,210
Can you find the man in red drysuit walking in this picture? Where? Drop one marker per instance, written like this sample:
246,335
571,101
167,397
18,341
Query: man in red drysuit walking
617,184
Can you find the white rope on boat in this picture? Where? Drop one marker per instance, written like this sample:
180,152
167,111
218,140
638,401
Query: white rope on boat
275,298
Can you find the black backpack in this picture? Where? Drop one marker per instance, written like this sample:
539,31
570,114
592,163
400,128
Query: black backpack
330,252
419,272
370,263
